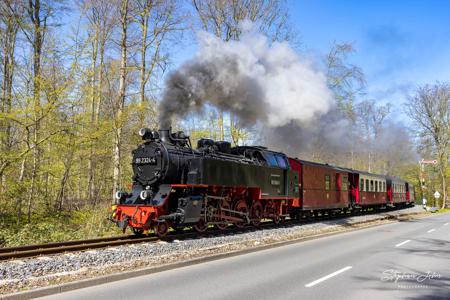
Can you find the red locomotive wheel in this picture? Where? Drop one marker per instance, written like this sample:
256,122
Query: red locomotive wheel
241,206
201,226
276,219
223,214
256,213
161,228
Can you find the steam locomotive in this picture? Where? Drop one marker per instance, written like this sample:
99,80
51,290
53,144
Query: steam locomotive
175,185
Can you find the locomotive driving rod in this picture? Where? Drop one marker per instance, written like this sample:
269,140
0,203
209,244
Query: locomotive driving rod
237,212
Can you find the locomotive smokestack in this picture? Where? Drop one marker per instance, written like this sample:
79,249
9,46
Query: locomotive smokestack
164,135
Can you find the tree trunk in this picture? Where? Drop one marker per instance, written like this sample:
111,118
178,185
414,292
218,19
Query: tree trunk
38,31
61,194
121,98
91,183
19,199
32,190
9,42
220,125
100,79
143,73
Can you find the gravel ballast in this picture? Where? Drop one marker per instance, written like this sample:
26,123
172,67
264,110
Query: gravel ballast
16,275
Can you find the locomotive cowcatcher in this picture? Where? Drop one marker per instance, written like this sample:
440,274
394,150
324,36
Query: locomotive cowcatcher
176,186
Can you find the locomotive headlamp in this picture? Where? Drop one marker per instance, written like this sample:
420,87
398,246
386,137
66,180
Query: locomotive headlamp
146,133
144,195
120,195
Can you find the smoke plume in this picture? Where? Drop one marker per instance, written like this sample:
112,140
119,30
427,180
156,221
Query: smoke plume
261,83
329,131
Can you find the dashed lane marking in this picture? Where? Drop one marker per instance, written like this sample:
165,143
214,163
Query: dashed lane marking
431,230
311,284
402,243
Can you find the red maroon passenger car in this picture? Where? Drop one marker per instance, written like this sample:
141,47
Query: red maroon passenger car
322,187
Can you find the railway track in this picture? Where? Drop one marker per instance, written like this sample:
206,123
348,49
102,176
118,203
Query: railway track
80,245
68,246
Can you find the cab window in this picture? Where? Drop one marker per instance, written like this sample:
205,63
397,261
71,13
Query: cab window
272,160
281,161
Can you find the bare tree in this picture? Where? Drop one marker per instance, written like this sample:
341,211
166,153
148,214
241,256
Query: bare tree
100,15
345,80
371,116
35,29
223,18
429,109
8,35
157,20
120,102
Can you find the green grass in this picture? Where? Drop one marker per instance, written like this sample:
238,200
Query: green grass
444,210
85,223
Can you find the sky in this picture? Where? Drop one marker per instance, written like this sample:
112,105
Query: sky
400,44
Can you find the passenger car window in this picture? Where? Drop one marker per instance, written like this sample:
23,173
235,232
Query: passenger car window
361,188
367,185
327,182
371,186
344,183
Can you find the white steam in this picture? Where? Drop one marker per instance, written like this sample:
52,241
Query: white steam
260,82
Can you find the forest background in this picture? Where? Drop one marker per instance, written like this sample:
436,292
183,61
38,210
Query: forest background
79,79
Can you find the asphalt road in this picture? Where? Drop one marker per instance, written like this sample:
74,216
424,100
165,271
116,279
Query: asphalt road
406,260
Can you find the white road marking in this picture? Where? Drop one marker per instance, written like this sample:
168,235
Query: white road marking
431,230
327,277
402,243
445,224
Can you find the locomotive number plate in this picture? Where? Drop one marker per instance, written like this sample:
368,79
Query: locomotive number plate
145,160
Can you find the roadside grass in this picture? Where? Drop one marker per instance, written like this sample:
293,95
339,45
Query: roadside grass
445,210
85,223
